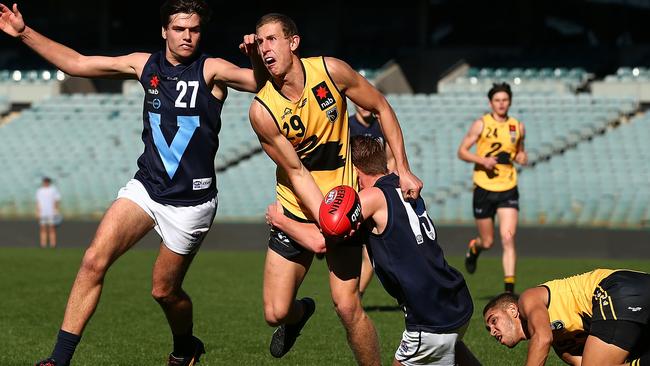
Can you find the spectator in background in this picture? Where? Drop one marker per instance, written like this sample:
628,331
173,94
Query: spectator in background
47,211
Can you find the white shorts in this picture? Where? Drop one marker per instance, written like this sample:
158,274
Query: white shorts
47,220
182,228
422,348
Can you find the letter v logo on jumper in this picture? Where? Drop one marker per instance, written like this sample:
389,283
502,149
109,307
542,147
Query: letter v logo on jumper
171,154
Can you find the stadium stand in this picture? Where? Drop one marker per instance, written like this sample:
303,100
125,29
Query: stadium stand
89,145
629,81
4,104
434,125
27,86
544,80
602,182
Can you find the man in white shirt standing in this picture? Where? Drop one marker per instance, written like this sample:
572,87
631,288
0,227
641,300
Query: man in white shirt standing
47,211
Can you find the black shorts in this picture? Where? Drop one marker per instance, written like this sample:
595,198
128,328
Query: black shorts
282,244
288,248
486,203
621,311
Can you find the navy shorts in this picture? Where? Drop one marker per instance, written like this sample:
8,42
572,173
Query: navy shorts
485,203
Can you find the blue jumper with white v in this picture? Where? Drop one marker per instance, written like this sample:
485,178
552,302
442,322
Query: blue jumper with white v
182,120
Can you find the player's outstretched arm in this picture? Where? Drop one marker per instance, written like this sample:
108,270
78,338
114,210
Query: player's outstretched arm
280,150
468,141
361,92
66,59
231,75
307,235
532,307
521,157
242,79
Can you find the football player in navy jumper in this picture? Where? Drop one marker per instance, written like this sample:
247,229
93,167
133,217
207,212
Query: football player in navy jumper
402,243
174,190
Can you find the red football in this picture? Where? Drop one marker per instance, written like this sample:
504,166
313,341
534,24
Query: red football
340,211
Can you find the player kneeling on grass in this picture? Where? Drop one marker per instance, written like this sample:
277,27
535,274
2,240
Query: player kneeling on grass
407,260
596,318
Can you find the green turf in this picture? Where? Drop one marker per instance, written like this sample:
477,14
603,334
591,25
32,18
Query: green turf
129,329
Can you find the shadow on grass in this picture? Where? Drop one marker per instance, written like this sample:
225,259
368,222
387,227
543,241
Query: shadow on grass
378,308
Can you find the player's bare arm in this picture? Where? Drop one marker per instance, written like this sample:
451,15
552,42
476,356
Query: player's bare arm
66,59
374,209
243,79
521,157
224,74
532,307
280,150
233,76
306,234
361,92
468,141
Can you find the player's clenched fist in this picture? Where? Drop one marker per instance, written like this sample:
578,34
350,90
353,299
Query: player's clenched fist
249,44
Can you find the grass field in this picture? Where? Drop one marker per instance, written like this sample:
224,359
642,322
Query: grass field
129,329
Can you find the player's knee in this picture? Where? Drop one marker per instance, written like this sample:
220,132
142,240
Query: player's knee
349,311
164,294
508,238
94,263
487,242
275,315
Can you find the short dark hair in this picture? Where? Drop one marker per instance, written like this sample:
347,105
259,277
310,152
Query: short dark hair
500,87
501,301
288,25
198,7
368,155
47,180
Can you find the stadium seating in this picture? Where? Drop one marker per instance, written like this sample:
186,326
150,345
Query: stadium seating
4,104
27,86
434,125
602,182
544,80
89,145
630,81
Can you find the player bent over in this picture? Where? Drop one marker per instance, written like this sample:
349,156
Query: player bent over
599,318
402,242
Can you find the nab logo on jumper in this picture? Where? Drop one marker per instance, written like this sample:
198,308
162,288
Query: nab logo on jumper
323,95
